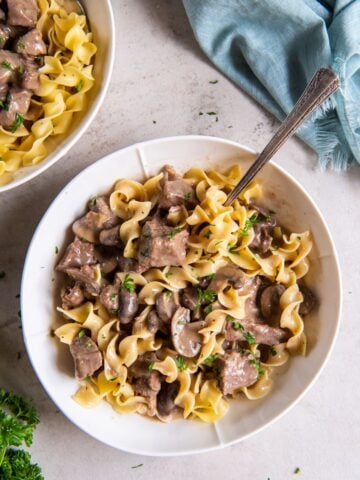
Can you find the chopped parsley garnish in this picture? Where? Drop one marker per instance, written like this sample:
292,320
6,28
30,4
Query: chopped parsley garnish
250,222
2,40
187,196
208,234
238,326
273,351
218,243
113,297
249,338
214,81
151,366
206,296
56,250
20,45
211,113
7,65
173,232
210,359
254,361
87,378
19,120
208,309
2,274
88,344
103,274
81,333
168,294
93,201
80,85
168,274
7,101
128,283
298,237
137,466
112,379
180,363
297,471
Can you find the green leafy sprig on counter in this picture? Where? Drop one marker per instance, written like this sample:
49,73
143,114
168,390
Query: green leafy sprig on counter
17,422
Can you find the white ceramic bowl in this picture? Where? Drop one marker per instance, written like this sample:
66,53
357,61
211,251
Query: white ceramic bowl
52,361
100,16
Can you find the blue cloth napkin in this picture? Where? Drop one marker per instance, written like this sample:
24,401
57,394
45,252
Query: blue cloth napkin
272,48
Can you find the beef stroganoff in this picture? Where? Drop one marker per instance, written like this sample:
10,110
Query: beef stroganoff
46,67
175,303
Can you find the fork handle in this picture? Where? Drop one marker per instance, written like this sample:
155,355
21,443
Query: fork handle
320,87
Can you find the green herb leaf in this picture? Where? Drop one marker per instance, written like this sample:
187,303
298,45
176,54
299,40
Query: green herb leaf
173,232
21,70
206,296
210,359
254,361
250,222
137,466
7,65
273,351
19,120
249,338
82,333
20,45
113,297
2,41
7,101
168,274
80,85
208,309
238,326
17,465
56,250
214,81
187,196
129,284
211,113
180,363
93,201
208,234
297,471
151,366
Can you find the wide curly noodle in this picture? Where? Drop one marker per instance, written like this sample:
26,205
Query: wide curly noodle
198,397
65,80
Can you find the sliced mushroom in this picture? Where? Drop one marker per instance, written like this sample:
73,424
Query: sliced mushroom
129,265
233,276
309,302
185,337
108,259
153,322
166,305
110,237
109,297
190,298
128,306
166,398
270,300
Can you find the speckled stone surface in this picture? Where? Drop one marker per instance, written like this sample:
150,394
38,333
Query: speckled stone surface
159,86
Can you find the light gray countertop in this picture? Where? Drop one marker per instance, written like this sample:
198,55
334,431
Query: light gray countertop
159,85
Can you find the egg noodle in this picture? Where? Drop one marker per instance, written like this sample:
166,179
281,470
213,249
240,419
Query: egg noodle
198,395
65,80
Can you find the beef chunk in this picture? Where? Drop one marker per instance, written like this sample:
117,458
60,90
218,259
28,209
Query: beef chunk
31,43
72,296
234,370
146,383
260,331
9,63
86,355
161,245
190,298
129,265
175,191
86,275
77,254
30,77
23,13
18,104
262,234
166,398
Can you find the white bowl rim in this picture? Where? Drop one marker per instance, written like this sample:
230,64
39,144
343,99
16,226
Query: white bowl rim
85,122
289,177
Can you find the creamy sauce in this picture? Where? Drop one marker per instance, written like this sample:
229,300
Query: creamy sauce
71,6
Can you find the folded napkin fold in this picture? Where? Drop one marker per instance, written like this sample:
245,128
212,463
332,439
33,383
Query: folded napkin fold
272,48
